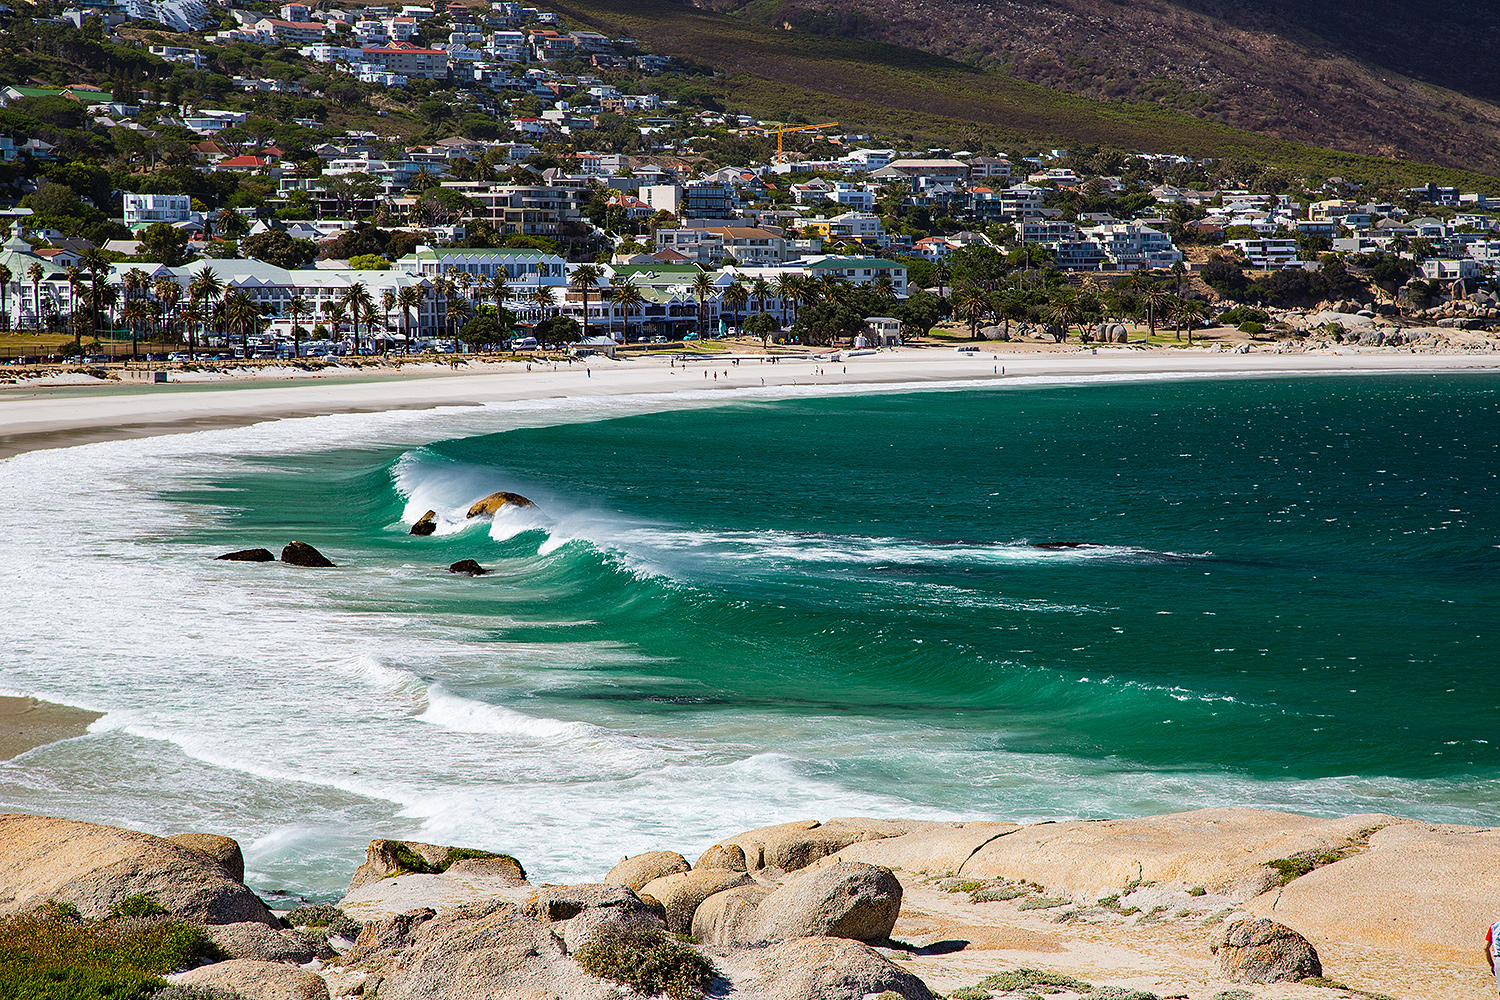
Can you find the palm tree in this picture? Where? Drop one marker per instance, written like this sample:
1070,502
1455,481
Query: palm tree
360,305
584,279
788,287
387,302
334,316
241,314
75,281
1155,298
192,314
1186,313
702,286
972,307
298,308
737,296
97,266
203,291
543,298
167,293
135,316
1063,311
442,287
35,272
408,299
5,276
498,288
760,290
628,297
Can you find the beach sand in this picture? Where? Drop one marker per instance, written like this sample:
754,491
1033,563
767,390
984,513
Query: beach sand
35,416
26,723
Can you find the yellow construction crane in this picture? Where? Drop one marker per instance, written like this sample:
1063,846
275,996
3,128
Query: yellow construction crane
782,130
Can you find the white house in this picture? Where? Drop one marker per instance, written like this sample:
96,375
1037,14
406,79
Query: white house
145,209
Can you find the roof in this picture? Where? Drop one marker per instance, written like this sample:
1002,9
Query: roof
519,252
81,94
852,262
742,233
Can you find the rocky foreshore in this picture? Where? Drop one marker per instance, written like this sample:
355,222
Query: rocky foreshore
1218,904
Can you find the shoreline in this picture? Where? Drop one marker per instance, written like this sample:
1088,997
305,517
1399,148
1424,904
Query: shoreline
34,417
27,723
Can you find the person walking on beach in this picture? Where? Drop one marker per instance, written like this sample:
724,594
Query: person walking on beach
1492,950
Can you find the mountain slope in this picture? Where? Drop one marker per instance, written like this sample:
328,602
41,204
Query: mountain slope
1383,77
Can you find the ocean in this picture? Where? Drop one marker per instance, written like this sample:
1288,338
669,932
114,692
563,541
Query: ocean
1023,600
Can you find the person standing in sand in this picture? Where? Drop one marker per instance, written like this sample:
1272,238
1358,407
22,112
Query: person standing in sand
1492,950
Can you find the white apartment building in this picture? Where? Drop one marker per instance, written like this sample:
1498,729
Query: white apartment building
1268,255
1135,245
146,209
523,268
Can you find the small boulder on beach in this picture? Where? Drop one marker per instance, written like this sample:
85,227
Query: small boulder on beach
256,980
248,555
849,899
467,567
1263,951
491,504
635,872
426,524
302,554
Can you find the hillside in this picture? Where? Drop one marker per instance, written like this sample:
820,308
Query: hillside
1384,77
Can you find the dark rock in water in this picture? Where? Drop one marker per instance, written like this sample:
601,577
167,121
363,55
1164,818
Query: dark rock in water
426,525
302,554
469,567
492,503
249,555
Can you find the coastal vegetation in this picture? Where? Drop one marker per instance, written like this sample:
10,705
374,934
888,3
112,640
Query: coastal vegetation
53,954
648,961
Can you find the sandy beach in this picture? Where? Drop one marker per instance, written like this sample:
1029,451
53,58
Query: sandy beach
81,409
26,723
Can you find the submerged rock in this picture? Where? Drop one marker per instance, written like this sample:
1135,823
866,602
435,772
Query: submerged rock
426,524
491,504
302,554
1263,951
468,567
249,555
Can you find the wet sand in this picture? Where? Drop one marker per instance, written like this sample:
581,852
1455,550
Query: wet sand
26,724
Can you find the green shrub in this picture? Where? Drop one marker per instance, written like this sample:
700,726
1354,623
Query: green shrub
44,957
970,993
54,910
139,905
647,961
1197,890
998,894
1251,327
1119,993
1042,903
1025,979
1234,995
331,917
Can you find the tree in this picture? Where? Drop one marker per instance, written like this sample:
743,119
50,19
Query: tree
737,296
762,325
788,288
921,311
407,299
297,307
483,330
369,262
167,293
1062,312
276,247
827,321
5,276
357,300
544,298
203,291
164,243
628,297
387,303
34,273
702,286
97,265
584,279
241,316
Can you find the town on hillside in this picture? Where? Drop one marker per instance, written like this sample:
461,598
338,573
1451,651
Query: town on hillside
235,179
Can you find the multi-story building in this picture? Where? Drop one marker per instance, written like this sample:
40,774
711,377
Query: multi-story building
147,209
409,60
291,32
858,270
523,268
533,210
1268,254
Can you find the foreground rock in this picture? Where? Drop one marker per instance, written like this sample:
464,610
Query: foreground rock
1224,850
224,850
302,554
791,846
816,969
249,555
403,876
490,951
681,893
95,867
467,567
846,900
637,871
936,848
258,980
1419,889
384,858
492,504
426,524
266,944
1263,951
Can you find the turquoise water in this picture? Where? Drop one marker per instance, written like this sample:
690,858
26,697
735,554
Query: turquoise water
1024,603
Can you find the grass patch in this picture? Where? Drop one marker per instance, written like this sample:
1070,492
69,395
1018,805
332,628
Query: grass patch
1025,979
139,905
647,961
997,894
1197,890
1042,903
44,956
330,917
1234,995
970,993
